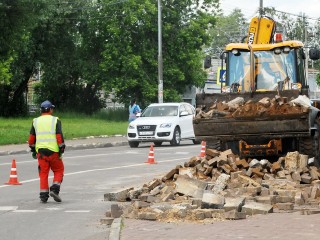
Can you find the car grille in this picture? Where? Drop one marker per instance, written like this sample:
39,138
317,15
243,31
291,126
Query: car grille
146,130
146,127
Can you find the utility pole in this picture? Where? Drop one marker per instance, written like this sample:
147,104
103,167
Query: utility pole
306,47
160,61
261,8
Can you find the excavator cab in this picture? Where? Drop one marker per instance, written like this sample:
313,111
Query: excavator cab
274,67
265,62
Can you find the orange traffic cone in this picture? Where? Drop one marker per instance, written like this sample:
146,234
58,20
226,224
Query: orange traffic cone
13,175
203,149
151,156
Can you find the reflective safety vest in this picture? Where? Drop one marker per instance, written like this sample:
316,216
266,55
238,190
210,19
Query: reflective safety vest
45,127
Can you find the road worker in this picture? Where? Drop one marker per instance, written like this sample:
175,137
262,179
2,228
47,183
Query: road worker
47,145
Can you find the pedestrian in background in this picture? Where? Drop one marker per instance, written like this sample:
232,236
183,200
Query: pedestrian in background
47,145
133,110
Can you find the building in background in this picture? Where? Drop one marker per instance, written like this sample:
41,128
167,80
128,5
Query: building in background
314,88
211,84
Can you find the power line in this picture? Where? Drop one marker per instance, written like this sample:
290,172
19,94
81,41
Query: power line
298,15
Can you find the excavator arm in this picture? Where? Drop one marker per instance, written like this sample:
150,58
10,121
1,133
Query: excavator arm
261,30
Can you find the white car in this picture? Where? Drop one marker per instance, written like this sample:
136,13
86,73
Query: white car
163,122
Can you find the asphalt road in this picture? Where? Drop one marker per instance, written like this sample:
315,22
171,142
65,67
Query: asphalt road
89,174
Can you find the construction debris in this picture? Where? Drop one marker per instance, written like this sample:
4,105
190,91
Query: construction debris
222,186
237,108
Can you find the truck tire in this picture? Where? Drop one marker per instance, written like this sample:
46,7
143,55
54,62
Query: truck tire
196,141
217,145
176,138
157,144
223,146
133,144
234,146
310,146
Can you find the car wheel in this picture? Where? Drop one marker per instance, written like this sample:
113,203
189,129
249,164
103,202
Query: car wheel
133,144
157,144
195,141
176,138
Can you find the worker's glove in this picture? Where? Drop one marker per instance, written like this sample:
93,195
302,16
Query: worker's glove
32,148
62,146
34,155
61,151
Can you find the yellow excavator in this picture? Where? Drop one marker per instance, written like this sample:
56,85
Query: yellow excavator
263,66
261,30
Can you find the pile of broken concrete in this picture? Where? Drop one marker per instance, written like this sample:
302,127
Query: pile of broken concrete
222,186
238,108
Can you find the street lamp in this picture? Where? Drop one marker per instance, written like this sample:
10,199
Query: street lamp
160,61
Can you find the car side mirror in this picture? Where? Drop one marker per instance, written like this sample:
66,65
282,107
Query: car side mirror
314,54
184,113
138,114
207,62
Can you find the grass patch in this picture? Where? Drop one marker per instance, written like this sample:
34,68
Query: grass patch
74,125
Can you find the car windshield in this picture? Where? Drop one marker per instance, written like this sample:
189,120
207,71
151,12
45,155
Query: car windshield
160,111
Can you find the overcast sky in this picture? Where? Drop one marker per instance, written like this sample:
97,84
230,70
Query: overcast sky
249,7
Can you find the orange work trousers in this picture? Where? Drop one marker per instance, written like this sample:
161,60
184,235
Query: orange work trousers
45,163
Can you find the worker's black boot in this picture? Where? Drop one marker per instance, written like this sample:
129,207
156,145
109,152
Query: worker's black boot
44,197
54,192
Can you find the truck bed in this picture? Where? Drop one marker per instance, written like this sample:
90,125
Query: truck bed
234,129
206,100
281,121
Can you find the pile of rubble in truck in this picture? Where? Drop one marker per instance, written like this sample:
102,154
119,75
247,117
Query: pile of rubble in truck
238,108
222,186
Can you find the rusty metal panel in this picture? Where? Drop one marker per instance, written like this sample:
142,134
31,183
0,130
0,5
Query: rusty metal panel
222,127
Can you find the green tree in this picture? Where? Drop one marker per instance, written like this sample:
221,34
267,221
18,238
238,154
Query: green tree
70,55
131,47
86,46
298,27
16,62
228,29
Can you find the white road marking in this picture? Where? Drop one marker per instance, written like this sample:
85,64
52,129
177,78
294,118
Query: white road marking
99,169
102,154
8,208
169,148
15,210
94,155
126,166
53,209
3,164
80,156
77,211
25,211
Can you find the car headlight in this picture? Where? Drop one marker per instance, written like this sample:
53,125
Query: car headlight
165,125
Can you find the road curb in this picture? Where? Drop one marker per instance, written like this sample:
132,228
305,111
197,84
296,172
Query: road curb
72,147
96,145
5,153
115,229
